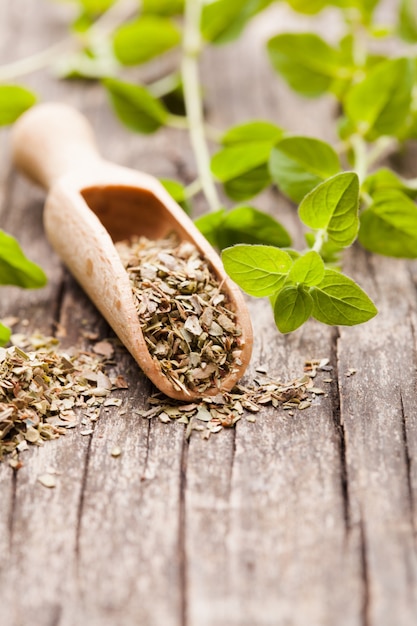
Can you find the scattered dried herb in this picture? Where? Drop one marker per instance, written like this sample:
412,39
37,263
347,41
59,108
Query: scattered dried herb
185,317
214,413
43,391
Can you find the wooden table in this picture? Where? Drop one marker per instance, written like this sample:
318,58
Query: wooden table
289,521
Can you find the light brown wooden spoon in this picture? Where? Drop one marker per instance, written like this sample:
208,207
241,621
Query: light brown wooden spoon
93,203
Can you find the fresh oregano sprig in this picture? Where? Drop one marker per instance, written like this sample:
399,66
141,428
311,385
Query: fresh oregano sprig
342,193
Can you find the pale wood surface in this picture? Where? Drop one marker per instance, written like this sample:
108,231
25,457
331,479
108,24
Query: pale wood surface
309,520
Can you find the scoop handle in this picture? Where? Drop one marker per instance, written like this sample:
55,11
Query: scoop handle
51,140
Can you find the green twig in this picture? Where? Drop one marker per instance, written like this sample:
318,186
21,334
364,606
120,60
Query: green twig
192,189
113,17
193,102
321,238
360,155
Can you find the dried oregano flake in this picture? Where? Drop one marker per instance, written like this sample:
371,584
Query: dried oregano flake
186,319
44,390
211,415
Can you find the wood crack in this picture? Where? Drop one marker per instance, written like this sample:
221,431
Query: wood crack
341,432
13,497
366,619
145,463
82,500
182,527
232,463
408,461
8,194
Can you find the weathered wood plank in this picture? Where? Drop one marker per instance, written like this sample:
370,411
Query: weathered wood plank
377,412
309,519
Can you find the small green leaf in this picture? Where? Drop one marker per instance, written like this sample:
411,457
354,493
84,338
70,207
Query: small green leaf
254,131
309,7
333,207
308,269
135,106
293,306
236,160
223,20
15,267
162,7
338,300
242,164
258,270
96,7
4,334
144,39
248,225
249,184
306,62
298,164
407,20
177,191
243,224
380,103
14,101
210,225
385,179
389,226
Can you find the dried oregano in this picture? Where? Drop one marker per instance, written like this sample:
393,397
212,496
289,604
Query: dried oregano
214,413
186,319
44,391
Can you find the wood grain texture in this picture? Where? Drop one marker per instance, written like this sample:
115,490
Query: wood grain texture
287,521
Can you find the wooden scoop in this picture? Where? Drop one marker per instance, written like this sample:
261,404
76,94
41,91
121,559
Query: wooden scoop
93,203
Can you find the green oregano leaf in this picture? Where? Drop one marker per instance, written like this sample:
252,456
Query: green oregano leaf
253,131
333,207
210,225
298,164
338,300
309,7
177,191
243,224
246,224
135,106
258,270
16,268
242,163
4,334
235,160
293,306
223,20
145,38
14,100
389,225
407,20
380,103
306,62
307,270
249,184
162,7
385,179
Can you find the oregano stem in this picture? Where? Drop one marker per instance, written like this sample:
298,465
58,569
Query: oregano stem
193,188
321,238
193,101
382,148
360,156
116,14
36,61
